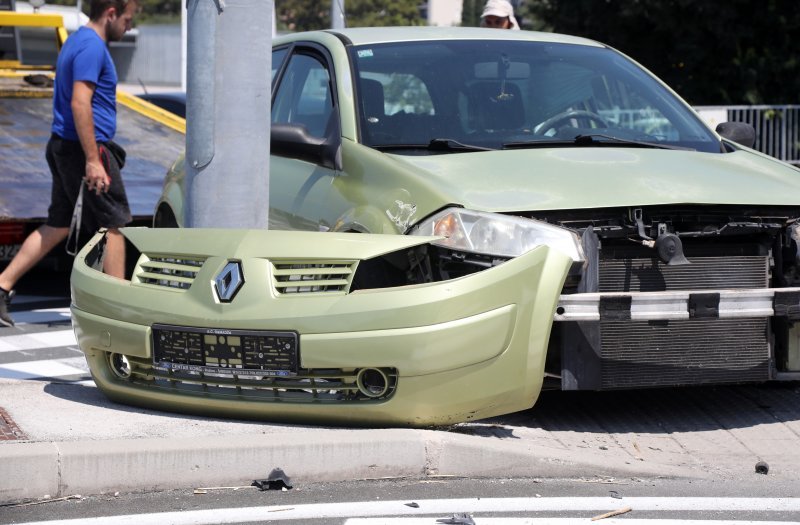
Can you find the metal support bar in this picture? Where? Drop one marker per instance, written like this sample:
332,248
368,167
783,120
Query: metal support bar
653,306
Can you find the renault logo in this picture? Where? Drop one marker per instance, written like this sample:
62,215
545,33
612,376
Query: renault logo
228,281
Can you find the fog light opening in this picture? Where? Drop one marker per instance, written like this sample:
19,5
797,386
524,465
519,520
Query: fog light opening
120,365
372,382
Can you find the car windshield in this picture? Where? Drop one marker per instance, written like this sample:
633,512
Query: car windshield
471,95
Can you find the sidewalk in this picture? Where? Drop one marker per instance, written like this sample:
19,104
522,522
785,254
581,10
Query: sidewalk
81,443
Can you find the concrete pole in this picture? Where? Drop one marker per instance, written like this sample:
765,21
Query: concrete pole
183,44
228,113
337,14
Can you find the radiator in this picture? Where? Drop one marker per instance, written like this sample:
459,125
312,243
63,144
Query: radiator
686,352
610,354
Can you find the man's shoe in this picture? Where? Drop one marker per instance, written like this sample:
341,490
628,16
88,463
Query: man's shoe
5,301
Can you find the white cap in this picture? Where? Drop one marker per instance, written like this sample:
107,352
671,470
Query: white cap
501,8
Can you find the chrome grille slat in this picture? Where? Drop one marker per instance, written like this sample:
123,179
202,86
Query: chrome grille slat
312,277
167,271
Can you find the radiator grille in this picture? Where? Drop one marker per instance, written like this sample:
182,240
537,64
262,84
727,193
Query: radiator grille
310,386
303,277
704,273
166,271
639,354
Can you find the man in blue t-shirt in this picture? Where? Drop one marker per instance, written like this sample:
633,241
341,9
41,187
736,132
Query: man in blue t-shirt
81,151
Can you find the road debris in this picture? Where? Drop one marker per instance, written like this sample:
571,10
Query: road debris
457,519
41,501
638,455
277,480
413,505
762,467
205,490
613,513
614,494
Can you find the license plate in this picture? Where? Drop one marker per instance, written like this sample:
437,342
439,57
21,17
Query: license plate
213,350
8,251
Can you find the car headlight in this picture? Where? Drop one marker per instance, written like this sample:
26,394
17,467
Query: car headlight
497,234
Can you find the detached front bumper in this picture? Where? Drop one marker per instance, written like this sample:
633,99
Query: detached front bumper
447,351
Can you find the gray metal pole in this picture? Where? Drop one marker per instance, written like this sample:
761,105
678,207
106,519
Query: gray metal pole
337,14
228,113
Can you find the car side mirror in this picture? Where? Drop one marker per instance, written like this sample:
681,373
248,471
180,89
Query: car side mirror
739,132
294,141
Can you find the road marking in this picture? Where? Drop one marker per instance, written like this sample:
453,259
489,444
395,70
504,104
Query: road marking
446,507
554,521
42,316
38,340
41,369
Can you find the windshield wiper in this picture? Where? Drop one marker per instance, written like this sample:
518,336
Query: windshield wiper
435,145
454,145
593,139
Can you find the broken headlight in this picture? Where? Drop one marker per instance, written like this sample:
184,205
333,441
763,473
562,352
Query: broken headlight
497,234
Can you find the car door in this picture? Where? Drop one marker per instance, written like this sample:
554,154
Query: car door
303,97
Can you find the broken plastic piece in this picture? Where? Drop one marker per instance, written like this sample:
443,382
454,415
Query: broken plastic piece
413,504
459,519
277,480
762,467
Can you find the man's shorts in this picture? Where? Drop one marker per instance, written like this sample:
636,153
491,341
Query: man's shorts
68,167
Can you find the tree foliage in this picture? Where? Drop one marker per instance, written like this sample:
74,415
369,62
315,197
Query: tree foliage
709,51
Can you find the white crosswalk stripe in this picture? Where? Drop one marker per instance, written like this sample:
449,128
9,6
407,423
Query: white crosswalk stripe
13,343
42,345
435,512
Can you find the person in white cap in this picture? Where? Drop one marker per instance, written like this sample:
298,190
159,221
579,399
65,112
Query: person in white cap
499,14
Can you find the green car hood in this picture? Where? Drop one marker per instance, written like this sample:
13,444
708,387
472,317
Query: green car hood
574,178
240,243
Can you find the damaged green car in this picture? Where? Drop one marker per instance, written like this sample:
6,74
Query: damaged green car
504,212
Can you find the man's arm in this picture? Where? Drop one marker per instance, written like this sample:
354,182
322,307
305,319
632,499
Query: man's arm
96,177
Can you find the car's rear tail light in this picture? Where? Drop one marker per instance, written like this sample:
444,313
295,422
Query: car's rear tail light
12,232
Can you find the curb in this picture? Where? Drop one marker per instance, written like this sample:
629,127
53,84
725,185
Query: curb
57,469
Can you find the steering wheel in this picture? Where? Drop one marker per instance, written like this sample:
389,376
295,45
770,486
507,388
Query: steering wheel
564,116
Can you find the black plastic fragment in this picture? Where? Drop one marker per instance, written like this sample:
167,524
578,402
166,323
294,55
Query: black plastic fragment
762,467
703,306
615,307
787,304
413,505
277,480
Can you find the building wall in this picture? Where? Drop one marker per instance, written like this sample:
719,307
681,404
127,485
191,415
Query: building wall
444,12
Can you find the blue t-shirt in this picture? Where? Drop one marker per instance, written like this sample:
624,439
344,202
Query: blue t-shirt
85,57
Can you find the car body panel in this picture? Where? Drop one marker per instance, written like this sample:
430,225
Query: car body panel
557,178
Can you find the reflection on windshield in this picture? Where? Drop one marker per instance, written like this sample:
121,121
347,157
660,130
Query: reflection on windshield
490,93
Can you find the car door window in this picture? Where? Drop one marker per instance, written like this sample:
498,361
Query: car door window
304,95
277,59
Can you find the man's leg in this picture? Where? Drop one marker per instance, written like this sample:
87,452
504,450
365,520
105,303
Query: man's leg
114,260
37,245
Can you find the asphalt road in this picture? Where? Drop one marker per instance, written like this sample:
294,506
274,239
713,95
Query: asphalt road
758,500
